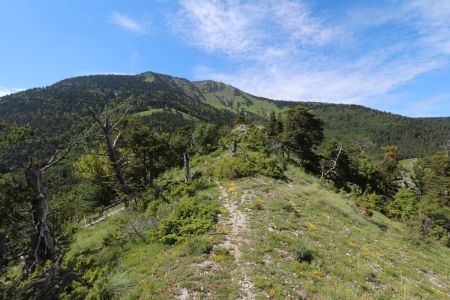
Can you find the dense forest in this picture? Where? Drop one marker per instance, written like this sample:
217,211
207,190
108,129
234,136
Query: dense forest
147,157
70,101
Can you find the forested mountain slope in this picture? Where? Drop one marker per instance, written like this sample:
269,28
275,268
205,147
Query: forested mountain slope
414,136
61,110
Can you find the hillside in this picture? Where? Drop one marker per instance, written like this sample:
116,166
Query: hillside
291,239
414,136
220,213
69,101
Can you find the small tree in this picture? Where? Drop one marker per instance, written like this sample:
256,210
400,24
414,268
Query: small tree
336,165
302,133
404,204
205,137
111,134
390,170
274,126
42,242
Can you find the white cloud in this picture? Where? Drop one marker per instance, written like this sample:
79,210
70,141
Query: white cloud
433,106
6,91
127,23
433,23
250,29
282,49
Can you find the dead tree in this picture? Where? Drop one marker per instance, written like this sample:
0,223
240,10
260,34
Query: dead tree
42,244
446,148
332,165
234,144
364,145
111,135
187,168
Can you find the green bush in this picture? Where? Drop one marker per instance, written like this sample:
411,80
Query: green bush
258,204
222,251
190,217
367,203
303,253
404,204
252,164
233,168
187,189
198,246
114,238
93,275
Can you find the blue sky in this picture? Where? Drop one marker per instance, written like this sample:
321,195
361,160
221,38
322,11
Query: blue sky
390,55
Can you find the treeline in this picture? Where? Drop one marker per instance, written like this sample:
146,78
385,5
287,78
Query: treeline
61,111
415,137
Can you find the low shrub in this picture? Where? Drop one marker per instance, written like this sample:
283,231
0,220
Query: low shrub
255,163
221,251
368,203
190,217
303,253
114,238
258,204
198,246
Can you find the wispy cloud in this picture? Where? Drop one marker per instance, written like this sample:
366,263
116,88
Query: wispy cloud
283,49
253,30
6,91
432,106
127,23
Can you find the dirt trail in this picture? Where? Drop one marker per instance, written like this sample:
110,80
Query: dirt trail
235,240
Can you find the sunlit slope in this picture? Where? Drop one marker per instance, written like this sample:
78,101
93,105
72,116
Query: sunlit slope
276,239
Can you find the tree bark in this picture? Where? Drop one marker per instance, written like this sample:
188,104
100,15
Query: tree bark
107,130
115,162
187,168
42,242
234,148
333,164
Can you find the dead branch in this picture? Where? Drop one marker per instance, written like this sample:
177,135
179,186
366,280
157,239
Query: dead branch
333,163
122,117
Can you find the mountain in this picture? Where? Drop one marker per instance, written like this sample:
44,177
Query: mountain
61,110
166,214
414,136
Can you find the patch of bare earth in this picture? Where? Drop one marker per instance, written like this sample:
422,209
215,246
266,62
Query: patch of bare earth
234,240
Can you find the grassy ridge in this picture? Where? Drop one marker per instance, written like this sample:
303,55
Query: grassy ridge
353,257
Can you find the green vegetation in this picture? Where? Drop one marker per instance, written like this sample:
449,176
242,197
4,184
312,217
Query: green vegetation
167,194
342,253
167,102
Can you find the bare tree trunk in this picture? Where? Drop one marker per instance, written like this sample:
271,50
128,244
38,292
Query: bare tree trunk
187,168
42,243
117,164
234,148
447,148
3,250
333,164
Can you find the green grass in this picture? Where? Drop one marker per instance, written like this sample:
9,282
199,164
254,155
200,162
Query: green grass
162,110
353,257
227,99
408,164
151,269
